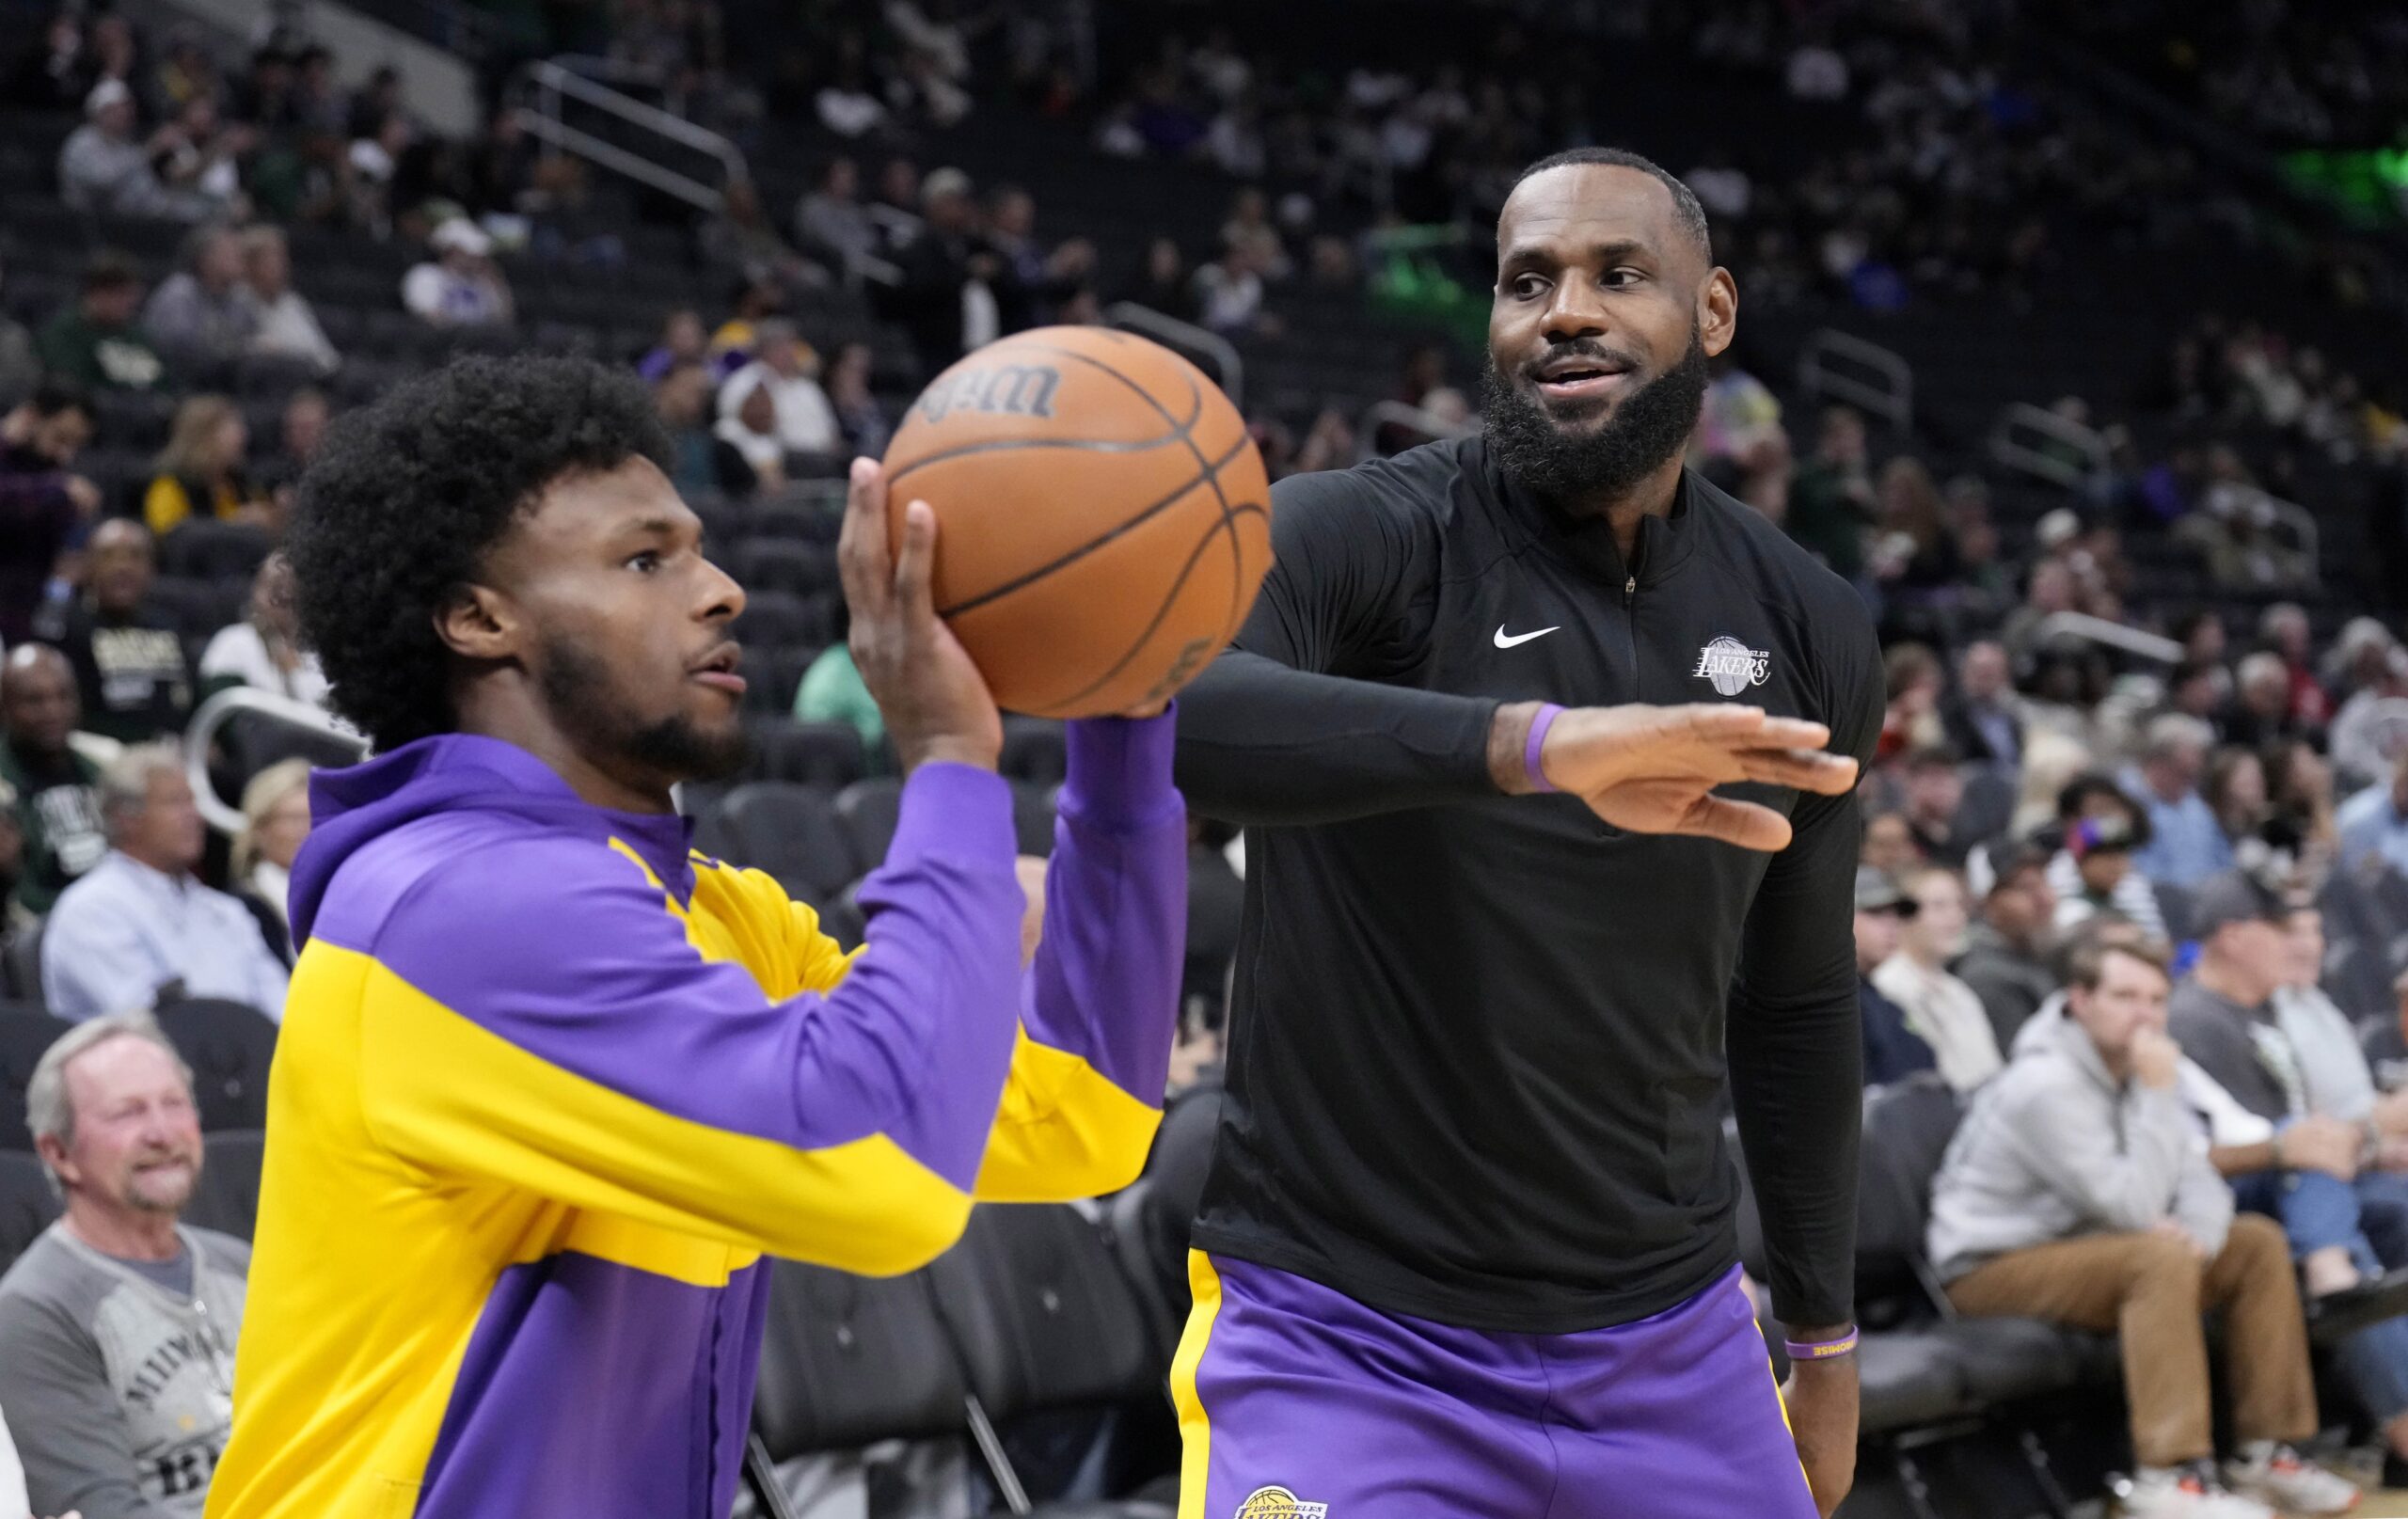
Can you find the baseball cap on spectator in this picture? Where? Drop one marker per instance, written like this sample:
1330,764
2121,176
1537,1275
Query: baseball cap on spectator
107,93
2099,835
461,235
2234,897
942,182
1876,892
2003,864
2057,528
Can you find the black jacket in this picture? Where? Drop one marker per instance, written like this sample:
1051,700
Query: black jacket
1477,1063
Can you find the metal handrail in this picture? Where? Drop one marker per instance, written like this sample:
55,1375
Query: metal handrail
553,83
2009,449
2076,624
223,708
1177,334
1427,424
1894,400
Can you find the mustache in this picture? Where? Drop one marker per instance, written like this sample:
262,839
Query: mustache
1586,348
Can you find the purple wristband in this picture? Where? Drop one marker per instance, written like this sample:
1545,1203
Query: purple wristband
1539,725
1821,1350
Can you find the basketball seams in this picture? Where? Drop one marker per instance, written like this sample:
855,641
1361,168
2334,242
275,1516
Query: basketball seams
1118,529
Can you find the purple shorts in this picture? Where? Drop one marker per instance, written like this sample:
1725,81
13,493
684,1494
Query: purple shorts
1295,1401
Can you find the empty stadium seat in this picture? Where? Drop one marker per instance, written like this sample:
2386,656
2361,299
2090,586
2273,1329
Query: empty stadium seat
787,830
779,619
21,1042
826,754
230,1047
27,1205
202,550
868,811
847,1361
795,565
226,1198
1034,750
21,968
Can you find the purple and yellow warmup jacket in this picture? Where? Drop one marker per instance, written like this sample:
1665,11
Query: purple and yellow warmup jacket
549,1085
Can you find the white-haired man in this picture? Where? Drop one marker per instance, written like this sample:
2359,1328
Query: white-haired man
138,930
118,1324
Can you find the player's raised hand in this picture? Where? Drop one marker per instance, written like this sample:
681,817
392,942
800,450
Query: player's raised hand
1653,770
936,703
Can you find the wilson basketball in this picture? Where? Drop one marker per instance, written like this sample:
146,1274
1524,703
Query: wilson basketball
1103,520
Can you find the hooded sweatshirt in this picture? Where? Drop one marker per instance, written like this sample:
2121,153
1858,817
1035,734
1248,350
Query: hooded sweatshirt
551,1084
2054,1147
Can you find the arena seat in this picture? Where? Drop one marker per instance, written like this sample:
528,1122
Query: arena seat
21,968
868,811
202,550
795,565
1034,748
230,1045
1148,1220
1046,1323
21,1042
787,830
1033,814
826,754
226,1198
782,620
27,1204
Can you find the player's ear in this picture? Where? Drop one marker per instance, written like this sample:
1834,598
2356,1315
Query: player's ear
477,622
1718,311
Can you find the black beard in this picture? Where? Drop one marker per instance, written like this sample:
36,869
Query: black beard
1652,426
577,689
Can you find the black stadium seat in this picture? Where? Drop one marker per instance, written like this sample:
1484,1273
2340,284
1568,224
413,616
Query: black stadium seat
868,811
1033,750
27,1204
21,968
787,830
793,565
826,754
230,1047
847,1361
1032,817
201,549
782,620
227,1197
21,1042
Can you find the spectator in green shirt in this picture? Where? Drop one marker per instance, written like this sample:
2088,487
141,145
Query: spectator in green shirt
831,691
97,343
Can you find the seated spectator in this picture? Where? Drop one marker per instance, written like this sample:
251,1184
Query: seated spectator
946,296
1982,716
298,434
2186,842
2373,725
1940,1010
462,286
96,342
2261,713
2235,792
863,420
128,659
846,106
2387,1041
42,504
1892,1050
1163,285
200,153
833,692
699,459
117,1326
263,651
784,367
276,823
751,434
1831,500
1229,292
683,341
2076,1190
105,167
1249,225
288,324
2100,827
2374,825
2007,952
1935,793
201,470
2316,1165
1032,283
140,929
1889,845
51,789
831,223
2284,628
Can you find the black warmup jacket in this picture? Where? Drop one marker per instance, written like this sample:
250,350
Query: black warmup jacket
1480,1042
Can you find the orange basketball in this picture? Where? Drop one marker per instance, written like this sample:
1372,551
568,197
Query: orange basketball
1103,520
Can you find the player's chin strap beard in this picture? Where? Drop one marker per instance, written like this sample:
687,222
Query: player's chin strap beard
1653,424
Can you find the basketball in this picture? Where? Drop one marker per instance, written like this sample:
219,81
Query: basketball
1104,519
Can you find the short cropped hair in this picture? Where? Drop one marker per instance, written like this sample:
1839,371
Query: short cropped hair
1686,212
2087,963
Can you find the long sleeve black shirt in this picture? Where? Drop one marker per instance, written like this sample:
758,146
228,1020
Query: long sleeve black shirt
1480,1042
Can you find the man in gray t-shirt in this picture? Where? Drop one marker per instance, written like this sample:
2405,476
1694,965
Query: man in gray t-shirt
117,1326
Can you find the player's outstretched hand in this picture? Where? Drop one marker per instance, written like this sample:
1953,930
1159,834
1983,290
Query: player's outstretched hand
936,703
1653,770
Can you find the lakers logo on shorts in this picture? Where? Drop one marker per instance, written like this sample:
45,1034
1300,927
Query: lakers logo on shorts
1279,1503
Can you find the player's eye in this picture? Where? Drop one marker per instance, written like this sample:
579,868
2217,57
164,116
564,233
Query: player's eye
645,563
1527,287
1622,278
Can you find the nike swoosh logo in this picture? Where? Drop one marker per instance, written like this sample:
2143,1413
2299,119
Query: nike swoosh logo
1506,641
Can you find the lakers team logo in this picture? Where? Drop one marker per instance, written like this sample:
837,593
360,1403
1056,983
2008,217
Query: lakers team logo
1732,666
1279,1503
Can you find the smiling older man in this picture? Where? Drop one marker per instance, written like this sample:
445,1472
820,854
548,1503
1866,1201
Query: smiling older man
118,1324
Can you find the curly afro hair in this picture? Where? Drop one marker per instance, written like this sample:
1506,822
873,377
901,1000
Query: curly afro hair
406,498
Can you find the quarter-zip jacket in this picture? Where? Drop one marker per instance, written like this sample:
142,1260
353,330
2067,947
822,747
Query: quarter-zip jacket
1478,1047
